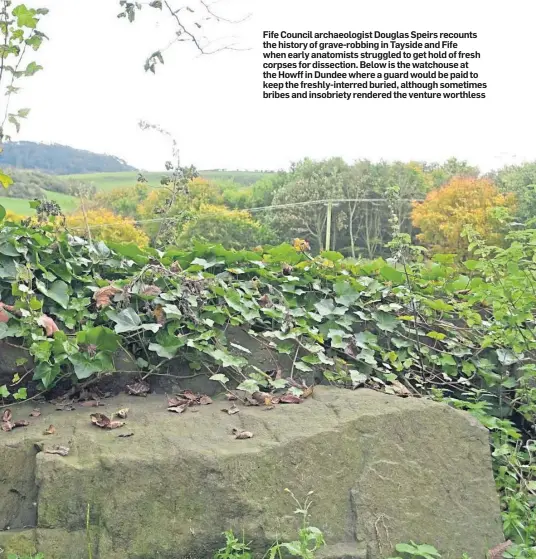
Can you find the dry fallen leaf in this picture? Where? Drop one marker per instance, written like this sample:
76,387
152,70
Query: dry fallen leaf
232,410
230,396
7,415
100,420
6,426
400,389
178,409
57,449
21,423
242,434
189,395
104,295
308,391
204,400
159,315
48,324
35,413
91,404
290,399
138,388
115,424
50,431
122,413
498,551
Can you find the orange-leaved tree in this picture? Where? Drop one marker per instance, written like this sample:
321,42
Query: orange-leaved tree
462,202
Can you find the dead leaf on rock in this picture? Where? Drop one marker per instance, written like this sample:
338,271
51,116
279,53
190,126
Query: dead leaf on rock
497,552
104,295
400,389
172,402
189,395
115,424
122,413
48,324
91,404
35,413
242,434
232,410
50,431
6,426
290,399
308,391
100,420
138,388
230,396
21,423
251,401
57,449
205,400
178,409
7,415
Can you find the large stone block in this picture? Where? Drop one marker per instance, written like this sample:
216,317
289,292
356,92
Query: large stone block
383,470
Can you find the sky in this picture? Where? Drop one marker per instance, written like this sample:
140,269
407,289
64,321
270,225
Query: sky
93,90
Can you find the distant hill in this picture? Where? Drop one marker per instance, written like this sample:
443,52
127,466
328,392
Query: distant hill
59,160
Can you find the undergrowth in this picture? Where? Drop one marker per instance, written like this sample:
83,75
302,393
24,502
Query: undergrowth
458,332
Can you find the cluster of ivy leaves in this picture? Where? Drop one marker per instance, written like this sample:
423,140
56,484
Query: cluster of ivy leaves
463,333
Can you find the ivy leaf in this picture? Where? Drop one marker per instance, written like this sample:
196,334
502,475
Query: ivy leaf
220,378
25,17
165,352
346,294
507,357
249,385
391,274
85,366
327,307
103,338
125,321
32,68
226,359
58,292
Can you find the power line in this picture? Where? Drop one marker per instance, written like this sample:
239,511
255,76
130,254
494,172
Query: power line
257,209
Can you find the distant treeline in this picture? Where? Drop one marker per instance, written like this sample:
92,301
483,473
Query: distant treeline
59,160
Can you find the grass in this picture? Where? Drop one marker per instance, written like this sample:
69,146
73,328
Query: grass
21,206
108,181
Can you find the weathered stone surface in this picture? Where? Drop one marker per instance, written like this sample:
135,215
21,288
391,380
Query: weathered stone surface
383,470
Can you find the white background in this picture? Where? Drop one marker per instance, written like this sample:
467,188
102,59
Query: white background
94,90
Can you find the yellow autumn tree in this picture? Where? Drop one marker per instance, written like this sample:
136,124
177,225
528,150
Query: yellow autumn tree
107,226
442,217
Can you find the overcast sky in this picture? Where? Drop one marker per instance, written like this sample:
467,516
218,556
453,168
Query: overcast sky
93,90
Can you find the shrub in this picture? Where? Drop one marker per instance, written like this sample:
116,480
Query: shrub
107,226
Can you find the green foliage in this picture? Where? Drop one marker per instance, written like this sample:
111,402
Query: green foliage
234,548
37,556
410,550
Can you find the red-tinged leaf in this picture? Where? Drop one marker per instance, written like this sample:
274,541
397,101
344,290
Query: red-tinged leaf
7,415
497,552
48,324
205,400
178,409
290,399
35,413
4,317
242,434
103,296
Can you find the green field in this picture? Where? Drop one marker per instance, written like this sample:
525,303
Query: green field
109,181
21,206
